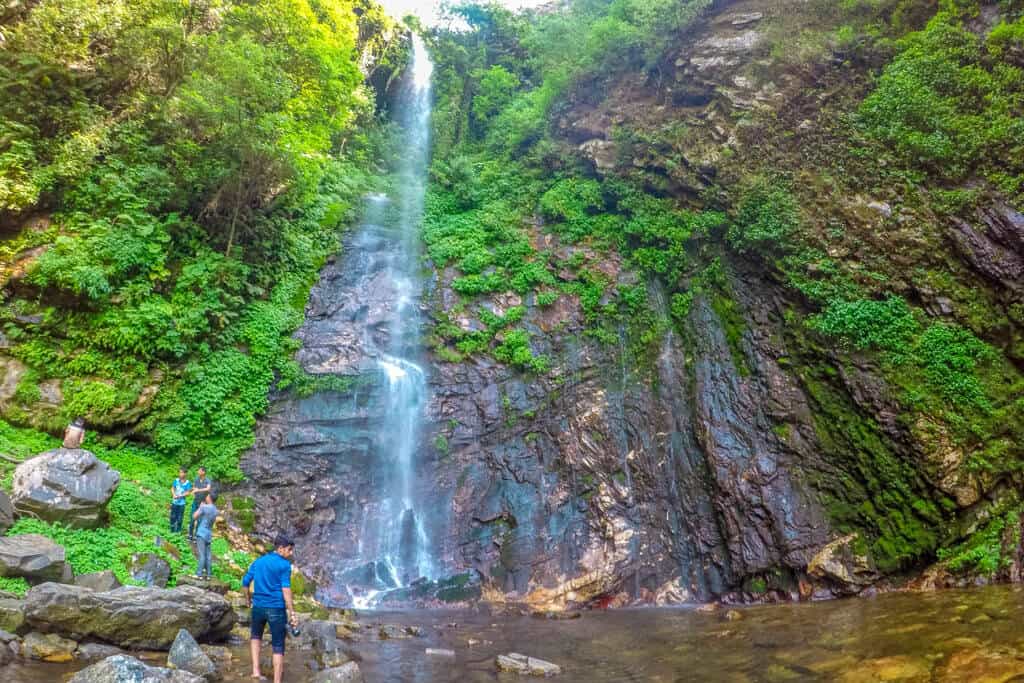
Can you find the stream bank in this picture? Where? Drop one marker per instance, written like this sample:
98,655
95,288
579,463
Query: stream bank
944,637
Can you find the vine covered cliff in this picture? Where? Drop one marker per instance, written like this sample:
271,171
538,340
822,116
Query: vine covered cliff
726,302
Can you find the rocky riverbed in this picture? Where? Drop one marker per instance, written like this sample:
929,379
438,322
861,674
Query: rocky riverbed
952,636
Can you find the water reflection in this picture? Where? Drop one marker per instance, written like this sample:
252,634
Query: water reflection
943,637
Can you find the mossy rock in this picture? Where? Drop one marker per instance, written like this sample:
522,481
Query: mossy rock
302,586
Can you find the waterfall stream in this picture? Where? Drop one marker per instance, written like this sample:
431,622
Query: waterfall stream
393,546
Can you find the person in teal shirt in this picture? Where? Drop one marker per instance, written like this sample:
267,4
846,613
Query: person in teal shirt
179,491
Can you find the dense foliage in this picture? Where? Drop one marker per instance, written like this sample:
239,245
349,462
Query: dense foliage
172,175
138,514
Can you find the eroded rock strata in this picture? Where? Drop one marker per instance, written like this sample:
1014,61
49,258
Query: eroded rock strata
734,466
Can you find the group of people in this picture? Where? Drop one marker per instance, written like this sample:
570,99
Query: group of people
202,517
267,583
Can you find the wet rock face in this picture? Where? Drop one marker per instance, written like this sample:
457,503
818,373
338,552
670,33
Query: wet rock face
708,471
663,483
323,465
666,484
993,245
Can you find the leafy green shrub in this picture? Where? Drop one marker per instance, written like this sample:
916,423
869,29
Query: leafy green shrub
573,202
14,584
515,350
495,90
545,299
950,356
767,217
947,356
949,102
888,325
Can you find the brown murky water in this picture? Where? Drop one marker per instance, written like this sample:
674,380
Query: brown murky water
951,636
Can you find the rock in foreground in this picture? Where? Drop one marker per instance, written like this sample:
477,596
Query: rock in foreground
150,569
48,647
12,615
34,557
133,617
186,655
348,673
70,486
122,669
516,663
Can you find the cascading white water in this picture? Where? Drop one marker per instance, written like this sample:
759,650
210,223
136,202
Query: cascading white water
394,544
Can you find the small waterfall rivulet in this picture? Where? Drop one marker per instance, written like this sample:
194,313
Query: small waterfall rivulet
393,547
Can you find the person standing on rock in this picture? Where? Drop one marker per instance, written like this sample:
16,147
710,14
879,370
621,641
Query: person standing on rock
271,601
74,435
179,492
204,517
203,486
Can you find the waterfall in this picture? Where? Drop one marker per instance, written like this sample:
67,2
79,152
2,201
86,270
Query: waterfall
394,547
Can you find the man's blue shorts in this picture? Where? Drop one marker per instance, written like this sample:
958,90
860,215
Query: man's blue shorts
278,620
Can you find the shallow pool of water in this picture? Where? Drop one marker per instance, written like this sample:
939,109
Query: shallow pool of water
949,636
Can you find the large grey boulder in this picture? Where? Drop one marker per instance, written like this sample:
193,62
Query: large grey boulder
98,581
130,616
6,512
186,655
150,569
70,486
125,669
34,557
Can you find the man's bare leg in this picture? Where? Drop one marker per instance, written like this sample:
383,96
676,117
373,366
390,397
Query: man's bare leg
278,667
254,652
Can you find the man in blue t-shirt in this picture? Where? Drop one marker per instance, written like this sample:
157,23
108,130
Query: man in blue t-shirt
179,491
271,601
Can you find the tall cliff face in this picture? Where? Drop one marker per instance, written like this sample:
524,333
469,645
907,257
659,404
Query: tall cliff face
743,453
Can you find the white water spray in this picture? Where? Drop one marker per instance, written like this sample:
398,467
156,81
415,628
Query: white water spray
394,546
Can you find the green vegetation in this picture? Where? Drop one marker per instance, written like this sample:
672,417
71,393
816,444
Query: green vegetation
138,514
195,163
988,550
950,102
496,86
138,510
